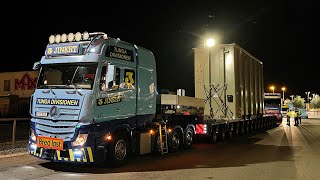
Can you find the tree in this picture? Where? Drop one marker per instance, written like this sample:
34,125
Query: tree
315,102
287,101
298,102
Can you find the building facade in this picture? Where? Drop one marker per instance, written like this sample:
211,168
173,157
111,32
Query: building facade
15,91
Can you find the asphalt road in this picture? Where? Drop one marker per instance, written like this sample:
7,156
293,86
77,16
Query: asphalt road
280,153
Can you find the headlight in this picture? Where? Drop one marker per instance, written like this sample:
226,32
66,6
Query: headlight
32,135
81,139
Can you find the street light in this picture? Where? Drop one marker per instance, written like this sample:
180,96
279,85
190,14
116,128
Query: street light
307,93
210,43
272,88
292,97
283,89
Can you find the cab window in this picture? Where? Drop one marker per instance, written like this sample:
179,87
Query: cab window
114,72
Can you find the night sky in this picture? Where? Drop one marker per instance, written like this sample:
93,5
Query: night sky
280,34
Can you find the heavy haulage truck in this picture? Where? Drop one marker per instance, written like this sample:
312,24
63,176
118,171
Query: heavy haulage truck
96,100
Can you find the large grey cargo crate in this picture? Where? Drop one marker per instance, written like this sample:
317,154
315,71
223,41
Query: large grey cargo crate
234,67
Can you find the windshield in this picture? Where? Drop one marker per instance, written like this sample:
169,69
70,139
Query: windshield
272,101
67,76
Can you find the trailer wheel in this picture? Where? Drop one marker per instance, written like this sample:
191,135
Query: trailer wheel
213,138
175,141
236,130
247,127
118,150
223,134
189,138
242,129
230,133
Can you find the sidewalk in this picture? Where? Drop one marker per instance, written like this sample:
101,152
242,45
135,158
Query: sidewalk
6,149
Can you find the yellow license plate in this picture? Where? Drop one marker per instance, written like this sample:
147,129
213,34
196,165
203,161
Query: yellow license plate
50,143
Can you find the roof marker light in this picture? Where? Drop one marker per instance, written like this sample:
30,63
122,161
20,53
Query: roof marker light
70,37
57,38
78,36
51,39
63,37
85,36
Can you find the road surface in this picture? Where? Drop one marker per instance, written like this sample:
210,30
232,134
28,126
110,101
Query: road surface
280,153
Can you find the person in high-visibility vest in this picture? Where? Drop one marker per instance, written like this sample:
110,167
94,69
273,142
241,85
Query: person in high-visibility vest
288,117
296,117
299,116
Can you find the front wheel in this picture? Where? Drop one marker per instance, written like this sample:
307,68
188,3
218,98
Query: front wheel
118,150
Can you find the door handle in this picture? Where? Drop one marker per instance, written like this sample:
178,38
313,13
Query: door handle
117,110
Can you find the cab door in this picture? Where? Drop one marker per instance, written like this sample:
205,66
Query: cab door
116,97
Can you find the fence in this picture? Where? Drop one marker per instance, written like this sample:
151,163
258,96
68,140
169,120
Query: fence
11,106
13,129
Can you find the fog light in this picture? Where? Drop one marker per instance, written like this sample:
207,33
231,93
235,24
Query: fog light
78,153
33,147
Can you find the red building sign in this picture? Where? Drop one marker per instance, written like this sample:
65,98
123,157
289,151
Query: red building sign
25,83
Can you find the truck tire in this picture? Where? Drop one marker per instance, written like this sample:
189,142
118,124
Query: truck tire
223,134
230,133
175,141
118,150
213,137
189,135
242,129
236,129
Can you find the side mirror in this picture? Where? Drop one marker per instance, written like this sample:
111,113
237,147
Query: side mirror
36,65
110,78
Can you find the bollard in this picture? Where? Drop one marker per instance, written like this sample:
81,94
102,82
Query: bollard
14,132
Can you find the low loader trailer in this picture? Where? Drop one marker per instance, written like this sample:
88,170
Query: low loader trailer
96,101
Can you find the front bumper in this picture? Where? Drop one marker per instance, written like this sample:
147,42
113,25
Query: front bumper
79,155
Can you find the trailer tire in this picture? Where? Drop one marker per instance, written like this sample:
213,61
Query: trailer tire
223,134
236,130
175,141
230,133
247,127
242,129
189,137
213,137
118,150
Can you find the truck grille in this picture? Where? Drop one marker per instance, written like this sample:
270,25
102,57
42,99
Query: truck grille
62,127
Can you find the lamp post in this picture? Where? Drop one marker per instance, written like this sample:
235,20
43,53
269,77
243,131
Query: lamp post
210,43
283,89
272,88
307,93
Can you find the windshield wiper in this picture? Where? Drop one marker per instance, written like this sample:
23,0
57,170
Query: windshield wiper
49,89
76,88
74,85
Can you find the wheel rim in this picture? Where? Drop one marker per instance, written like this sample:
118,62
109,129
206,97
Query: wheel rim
189,137
120,150
175,140
214,137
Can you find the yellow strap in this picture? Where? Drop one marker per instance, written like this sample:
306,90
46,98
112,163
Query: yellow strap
90,154
58,154
71,155
41,152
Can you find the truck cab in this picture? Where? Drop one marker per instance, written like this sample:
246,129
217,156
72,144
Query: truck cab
92,91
